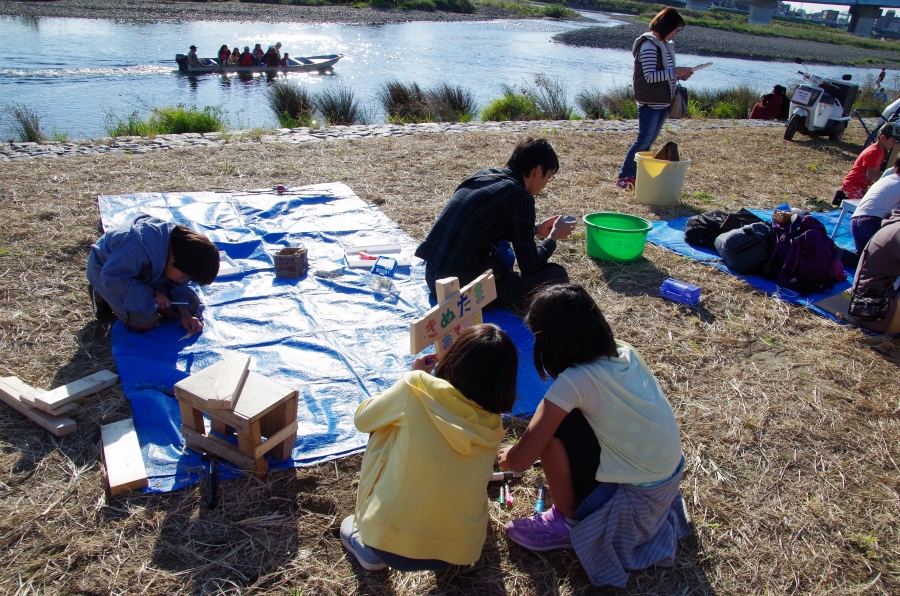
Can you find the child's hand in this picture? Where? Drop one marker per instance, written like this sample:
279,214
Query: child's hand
501,458
192,324
424,363
162,301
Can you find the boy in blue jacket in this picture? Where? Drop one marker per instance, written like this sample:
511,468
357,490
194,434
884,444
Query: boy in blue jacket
139,269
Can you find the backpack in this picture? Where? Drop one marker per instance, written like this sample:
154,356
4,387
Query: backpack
746,249
702,230
805,258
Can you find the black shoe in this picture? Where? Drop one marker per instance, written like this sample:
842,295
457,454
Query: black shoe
839,197
99,306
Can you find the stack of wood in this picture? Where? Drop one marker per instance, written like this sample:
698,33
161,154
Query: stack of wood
46,408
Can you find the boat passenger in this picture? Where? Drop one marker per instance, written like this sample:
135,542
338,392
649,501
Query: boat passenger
236,56
284,61
278,49
247,57
192,58
271,58
258,54
224,54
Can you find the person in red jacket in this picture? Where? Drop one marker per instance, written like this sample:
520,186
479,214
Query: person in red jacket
247,57
866,169
769,106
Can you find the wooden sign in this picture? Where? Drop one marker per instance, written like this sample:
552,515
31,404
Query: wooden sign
456,310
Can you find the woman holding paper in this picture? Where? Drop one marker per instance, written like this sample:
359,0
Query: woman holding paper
654,79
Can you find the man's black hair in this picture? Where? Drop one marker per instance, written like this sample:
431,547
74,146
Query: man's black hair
531,153
194,255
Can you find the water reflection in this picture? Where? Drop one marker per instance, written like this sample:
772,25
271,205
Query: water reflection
75,70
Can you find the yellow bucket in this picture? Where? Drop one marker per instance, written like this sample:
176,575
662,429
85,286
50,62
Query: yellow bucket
659,181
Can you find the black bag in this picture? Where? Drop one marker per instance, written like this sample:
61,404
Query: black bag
869,308
739,220
702,230
746,249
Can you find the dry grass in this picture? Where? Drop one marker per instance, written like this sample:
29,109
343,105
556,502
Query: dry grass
790,422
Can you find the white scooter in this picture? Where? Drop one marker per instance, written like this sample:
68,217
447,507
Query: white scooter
821,107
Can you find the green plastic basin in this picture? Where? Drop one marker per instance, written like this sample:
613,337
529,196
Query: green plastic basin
615,237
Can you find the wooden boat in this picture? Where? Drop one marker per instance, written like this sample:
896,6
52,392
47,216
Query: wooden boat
302,64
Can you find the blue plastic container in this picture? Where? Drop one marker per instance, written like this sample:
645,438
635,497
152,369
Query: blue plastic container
680,291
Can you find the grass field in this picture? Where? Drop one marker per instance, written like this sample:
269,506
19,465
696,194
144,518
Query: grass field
790,422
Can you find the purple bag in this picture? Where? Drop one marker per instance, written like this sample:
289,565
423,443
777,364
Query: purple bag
810,263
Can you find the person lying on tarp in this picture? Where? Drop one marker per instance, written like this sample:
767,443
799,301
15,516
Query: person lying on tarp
769,106
877,204
139,270
490,211
875,301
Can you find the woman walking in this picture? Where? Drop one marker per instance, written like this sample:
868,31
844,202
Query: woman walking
655,75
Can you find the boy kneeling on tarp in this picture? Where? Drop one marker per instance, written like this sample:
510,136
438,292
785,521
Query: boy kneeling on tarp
140,272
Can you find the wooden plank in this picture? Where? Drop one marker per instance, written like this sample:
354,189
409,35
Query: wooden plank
122,455
230,381
56,425
27,391
56,398
446,288
276,439
450,315
218,447
259,396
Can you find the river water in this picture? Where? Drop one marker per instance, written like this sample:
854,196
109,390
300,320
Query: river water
76,73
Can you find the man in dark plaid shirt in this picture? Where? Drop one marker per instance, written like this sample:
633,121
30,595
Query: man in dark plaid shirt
495,207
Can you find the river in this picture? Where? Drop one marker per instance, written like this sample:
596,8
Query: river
77,73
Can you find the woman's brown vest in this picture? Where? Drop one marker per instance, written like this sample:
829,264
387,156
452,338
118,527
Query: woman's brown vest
645,92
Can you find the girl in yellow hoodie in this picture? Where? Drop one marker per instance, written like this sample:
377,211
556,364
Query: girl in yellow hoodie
422,500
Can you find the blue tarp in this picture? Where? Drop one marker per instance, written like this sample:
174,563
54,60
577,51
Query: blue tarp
334,340
670,235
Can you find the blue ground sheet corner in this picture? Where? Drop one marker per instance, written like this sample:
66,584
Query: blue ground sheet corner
670,235
333,339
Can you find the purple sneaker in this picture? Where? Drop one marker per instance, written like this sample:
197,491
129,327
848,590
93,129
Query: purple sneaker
547,531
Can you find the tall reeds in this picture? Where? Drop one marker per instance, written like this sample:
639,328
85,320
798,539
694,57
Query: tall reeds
404,103
451,103
545,100
338,105
292,104
25,124
176,119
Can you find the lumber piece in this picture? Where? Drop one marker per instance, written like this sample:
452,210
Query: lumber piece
56,425
56,398
230,381
122,455
28,392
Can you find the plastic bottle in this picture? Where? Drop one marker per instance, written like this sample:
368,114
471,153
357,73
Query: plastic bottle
680,291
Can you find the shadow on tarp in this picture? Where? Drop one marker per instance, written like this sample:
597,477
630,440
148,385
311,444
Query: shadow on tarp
670,235
333,340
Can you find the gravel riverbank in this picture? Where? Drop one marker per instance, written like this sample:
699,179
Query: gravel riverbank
703,41
155,10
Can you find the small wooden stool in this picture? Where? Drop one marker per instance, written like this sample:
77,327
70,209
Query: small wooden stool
264,416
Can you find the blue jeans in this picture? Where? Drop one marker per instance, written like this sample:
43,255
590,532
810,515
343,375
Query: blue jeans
863,228
650,123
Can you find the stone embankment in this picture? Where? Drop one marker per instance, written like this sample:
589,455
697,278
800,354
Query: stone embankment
137,145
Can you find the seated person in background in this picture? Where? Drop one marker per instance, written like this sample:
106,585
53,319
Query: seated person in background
284,61
422,500
769,106
877,204
880,95
235,56
271,58
258,54
867,167
192,58
278,50
490,210
138,269
224,55
247,57
878,275
608,441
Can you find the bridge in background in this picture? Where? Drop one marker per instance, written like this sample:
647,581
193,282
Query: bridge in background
863,13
